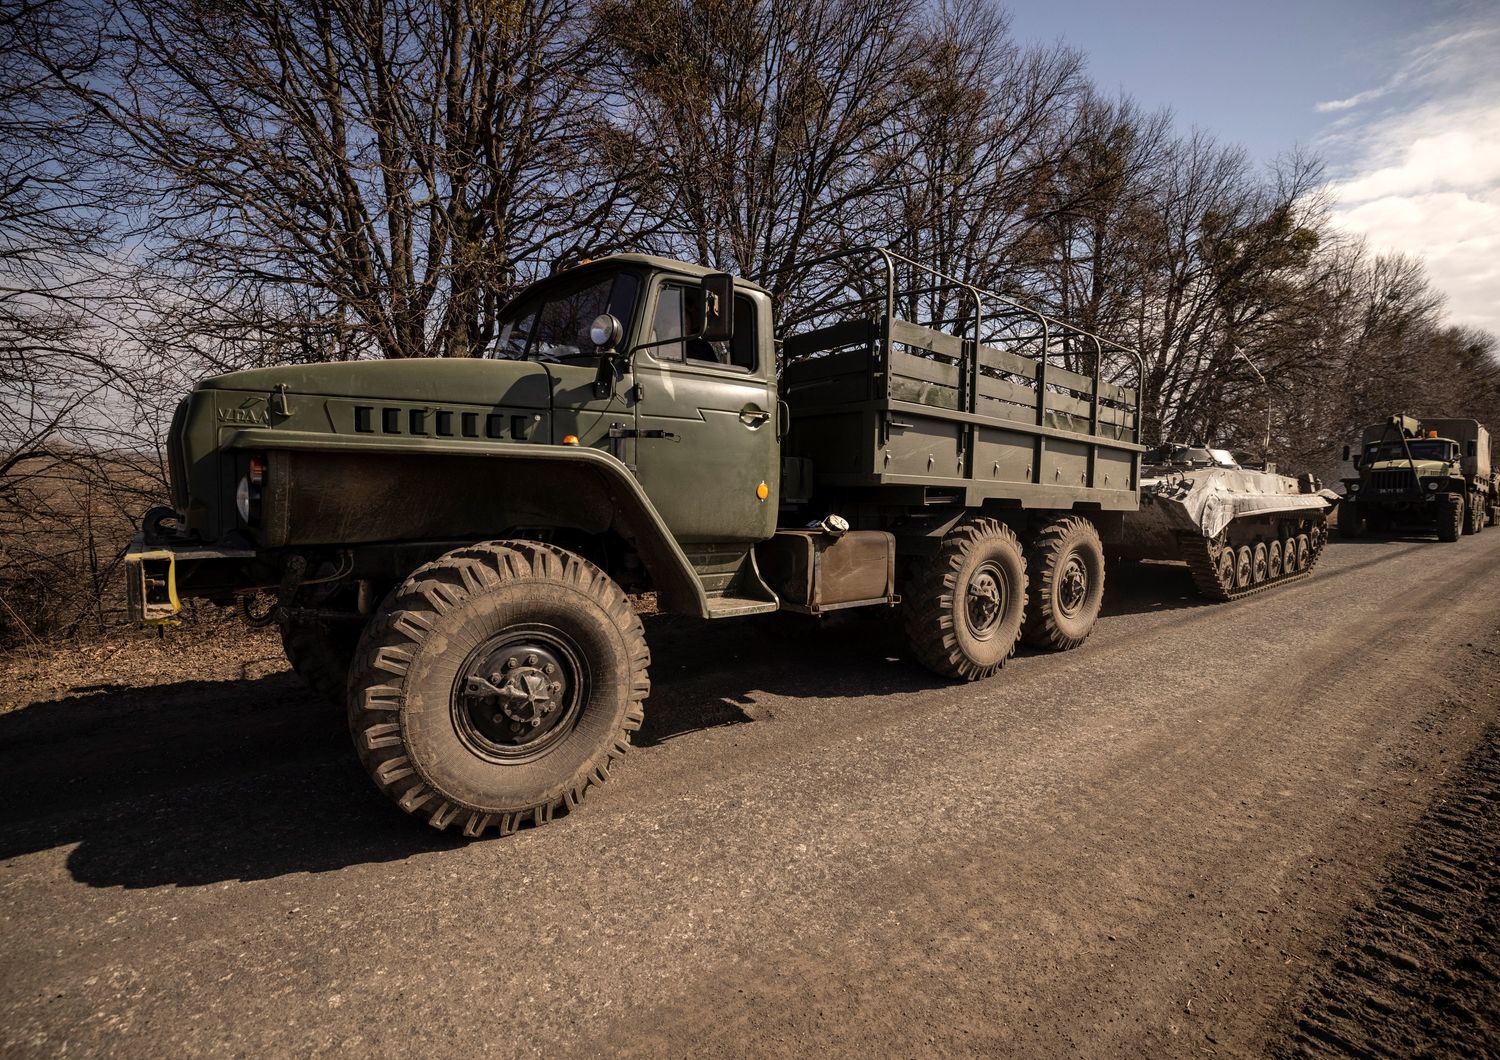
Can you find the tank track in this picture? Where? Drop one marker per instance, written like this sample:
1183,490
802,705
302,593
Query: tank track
1199,554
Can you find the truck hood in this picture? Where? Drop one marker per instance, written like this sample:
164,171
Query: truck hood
1424,467
513,384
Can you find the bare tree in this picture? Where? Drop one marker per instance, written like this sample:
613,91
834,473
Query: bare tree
347,177
769,122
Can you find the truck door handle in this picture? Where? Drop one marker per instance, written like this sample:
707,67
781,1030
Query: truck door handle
753,417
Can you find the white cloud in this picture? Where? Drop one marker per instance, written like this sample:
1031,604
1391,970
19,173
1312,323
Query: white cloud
1420,175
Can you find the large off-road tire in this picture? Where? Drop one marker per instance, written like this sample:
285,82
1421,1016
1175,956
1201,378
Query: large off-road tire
321,651
965,605
1351,522
1065,574
496,685
1473,514
1450,517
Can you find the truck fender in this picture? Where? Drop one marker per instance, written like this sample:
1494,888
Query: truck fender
328,490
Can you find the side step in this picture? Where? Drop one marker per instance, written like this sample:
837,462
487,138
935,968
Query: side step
734,606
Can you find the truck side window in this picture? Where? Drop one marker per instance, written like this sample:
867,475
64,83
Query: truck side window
673,310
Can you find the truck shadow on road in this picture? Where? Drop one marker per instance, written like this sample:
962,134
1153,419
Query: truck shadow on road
199,782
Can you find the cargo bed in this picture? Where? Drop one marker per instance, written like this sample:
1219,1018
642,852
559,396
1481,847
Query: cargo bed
988,401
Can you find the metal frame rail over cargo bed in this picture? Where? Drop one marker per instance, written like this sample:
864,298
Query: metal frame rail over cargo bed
982,405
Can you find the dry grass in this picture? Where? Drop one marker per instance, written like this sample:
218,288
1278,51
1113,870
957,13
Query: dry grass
214,648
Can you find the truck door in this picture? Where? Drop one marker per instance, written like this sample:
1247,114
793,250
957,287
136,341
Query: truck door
706,421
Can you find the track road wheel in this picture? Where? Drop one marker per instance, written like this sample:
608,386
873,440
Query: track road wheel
1450,517
1224,567
1304,552
967,602
1065,572
1244,565
1259,563
496,685
1273,560
1351,522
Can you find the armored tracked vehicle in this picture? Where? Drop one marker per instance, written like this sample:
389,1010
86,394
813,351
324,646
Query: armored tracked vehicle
1239,530
1427,474
449,546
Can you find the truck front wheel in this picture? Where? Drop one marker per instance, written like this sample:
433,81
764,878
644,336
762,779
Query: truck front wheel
1351,522
965,606
1450,517
1065,570
497,685
320,651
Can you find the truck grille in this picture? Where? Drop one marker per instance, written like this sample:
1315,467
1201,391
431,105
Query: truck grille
1397,478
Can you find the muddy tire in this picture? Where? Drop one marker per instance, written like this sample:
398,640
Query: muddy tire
321,653
496,685
1065,573
1473,516
966,604
1351,522
1450,517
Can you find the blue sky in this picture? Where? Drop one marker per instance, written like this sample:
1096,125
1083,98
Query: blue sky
1401,99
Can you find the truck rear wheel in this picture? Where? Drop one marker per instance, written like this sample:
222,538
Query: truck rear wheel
1473,514
496,685
964,612
1065,571
1450,517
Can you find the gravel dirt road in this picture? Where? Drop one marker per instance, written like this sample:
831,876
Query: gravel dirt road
1159,844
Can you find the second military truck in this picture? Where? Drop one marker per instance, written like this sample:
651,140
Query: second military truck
448,546
1427,473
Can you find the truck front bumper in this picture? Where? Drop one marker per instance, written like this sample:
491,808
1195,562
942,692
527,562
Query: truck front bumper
152,576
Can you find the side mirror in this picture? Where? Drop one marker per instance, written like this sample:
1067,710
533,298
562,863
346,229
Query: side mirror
606,333
717,308
1346,452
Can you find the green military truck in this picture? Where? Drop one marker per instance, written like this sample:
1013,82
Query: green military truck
450,547
1426,473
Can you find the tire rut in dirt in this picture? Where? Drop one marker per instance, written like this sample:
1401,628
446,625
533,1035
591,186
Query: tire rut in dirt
1417,972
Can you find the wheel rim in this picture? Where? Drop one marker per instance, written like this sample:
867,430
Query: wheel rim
1273,560
1226,568
1242,568
985,600
1258,565
1072,586
519,693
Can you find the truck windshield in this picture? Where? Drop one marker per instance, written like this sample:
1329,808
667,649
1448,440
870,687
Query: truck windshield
554,324
1420,450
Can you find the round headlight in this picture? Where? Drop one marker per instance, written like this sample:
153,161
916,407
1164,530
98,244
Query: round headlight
1433,485
242,498
1354,487
605,331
